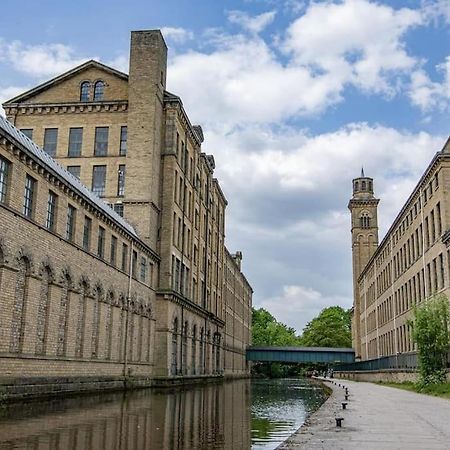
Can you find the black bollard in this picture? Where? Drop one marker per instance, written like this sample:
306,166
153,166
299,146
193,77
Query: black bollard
346,396
339,421
344,405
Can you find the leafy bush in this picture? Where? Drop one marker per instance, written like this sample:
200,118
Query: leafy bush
431,333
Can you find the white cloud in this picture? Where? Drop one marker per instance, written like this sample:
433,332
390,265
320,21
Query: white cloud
331,46
357,40
297,305
428,94
8,93
177,35
434,10
254,24
39,60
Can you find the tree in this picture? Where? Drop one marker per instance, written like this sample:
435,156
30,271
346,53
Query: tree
266,330
430,332
331,328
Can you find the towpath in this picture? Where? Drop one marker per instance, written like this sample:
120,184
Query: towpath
377,417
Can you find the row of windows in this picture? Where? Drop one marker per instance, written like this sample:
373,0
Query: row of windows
427,193
85,91
412,248
98,185
76,141
29,206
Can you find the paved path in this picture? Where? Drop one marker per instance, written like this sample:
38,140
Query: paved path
377,417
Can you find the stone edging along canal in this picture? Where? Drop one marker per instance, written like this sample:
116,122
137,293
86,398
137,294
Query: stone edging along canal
320,420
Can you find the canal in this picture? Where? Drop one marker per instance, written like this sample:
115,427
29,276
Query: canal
235,415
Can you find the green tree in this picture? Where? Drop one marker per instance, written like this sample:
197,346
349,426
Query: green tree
266,330
430,332
331,328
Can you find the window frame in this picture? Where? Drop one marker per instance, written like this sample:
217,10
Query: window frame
121,173
101,144
87,232
85,95
96,189
123,145
5,170
99,91
71,222
52,205
29,196
46,143
75,147
101,238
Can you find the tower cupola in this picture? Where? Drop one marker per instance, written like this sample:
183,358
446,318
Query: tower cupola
363,186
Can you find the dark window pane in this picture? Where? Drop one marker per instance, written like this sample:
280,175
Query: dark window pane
30,184
99,180
99,90
113,250
4,171
124,257
75,141
101,242
123,140
84,91
118,208
51,210
74,170
28,132
101,141
70,227
87,233
121,180
50,140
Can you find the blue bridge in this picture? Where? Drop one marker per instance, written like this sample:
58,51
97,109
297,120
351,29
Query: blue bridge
301,354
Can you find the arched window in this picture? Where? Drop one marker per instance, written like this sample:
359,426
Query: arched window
201,352
174,368
63,315
184,349
356,185
370,185
217,345
20,306
363,185
365,220
193,350
81,319
84,91
43,312
99,90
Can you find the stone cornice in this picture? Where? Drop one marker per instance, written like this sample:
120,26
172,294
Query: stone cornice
13,109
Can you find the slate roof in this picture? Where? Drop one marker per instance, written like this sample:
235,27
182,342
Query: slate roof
10,132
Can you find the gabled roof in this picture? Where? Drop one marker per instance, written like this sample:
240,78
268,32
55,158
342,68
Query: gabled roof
60,78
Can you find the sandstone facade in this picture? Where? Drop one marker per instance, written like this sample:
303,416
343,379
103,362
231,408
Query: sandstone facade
186,305
410,264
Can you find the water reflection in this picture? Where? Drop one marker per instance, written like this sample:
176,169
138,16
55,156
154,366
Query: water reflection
216,416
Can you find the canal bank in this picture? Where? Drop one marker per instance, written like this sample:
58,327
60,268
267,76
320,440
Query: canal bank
376,417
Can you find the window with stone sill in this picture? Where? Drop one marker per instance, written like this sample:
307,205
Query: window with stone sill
99,91
4,177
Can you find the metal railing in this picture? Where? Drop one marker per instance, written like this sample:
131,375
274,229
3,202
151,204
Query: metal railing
401,361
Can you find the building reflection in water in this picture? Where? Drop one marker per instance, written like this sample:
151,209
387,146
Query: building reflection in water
215,416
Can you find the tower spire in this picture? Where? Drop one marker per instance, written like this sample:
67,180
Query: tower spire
362,172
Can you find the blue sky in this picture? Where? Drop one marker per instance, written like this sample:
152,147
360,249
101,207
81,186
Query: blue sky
294,96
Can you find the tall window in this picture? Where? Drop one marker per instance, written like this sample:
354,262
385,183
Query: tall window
143,269
99,90
87,233
113,250
84,91
28,132
98,180
50,140
101,242
121,180
74,170
134,264
51,210
28,198
124,257
123,141
101,141
75,141
4,173
70,227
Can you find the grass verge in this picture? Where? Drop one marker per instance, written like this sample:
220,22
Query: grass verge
438,390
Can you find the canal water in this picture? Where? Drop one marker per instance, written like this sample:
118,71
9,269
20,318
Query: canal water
235,415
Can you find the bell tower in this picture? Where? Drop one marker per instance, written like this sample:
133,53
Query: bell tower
363,207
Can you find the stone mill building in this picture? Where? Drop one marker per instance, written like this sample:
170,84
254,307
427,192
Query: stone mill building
113,263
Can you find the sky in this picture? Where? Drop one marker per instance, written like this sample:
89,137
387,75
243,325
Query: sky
294,97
